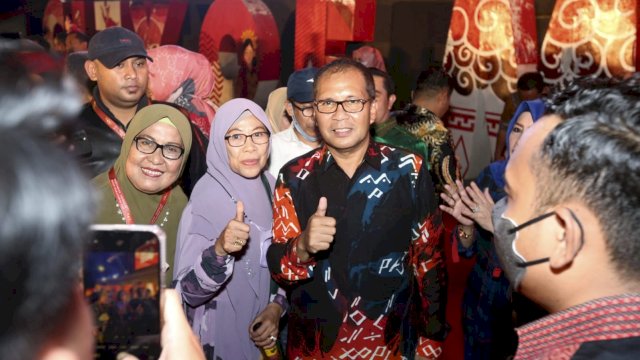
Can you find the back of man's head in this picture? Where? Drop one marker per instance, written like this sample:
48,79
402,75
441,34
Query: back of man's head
530,85
46,206
45,210
593,157
432,82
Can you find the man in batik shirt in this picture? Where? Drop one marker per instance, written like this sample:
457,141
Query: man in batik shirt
356,236
423,118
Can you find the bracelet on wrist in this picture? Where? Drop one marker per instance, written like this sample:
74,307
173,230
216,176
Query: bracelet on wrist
463,234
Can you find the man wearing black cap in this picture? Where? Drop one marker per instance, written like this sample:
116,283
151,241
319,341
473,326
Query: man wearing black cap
117,62
302,136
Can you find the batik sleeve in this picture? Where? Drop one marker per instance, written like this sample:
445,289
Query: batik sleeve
442,157
206,272
427,258
284,264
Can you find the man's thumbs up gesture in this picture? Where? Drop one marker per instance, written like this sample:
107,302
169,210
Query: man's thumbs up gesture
318,234
235,235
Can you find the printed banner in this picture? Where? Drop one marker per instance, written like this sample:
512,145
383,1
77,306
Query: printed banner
490,43
590,37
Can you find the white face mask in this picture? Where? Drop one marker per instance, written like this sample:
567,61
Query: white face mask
300,131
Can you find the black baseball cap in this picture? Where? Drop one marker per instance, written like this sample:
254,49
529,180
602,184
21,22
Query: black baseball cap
300,85
115,44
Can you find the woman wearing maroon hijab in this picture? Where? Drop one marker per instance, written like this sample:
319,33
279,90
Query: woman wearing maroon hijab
223,237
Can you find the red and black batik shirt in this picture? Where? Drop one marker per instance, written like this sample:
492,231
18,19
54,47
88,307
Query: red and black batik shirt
381,287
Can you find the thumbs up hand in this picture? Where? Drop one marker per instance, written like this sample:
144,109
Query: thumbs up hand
235,235
318,234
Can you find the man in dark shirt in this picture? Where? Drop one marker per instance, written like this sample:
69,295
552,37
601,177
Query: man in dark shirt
356,235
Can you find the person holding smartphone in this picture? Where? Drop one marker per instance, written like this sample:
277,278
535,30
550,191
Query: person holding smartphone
142,186
224,234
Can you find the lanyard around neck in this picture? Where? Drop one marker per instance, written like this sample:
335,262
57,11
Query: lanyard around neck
122,202
106,119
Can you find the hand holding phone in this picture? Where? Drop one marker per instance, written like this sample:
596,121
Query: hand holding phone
235,235
178,340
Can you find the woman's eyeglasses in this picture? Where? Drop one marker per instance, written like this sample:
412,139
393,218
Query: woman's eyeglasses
258,138
148,146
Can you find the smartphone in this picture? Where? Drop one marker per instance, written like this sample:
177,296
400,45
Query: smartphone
122,283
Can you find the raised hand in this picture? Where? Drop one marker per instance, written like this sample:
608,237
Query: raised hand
481,205
235,235
454,205
318,235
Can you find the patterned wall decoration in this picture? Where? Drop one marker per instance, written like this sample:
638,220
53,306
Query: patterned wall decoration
149,22
490,42
323,28
55,13
590,37
149,18
256,66
107,14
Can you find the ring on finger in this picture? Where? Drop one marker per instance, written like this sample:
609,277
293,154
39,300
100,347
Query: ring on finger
273,338
475,209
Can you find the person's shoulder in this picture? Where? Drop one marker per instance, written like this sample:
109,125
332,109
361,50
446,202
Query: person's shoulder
89,118
394,152
280,138
282,134
179,196
307,161
101,181
87,111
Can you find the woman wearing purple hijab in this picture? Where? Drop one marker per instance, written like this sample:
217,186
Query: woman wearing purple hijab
225,231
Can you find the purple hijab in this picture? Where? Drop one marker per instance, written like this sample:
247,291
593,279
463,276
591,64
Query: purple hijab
536,108
246,293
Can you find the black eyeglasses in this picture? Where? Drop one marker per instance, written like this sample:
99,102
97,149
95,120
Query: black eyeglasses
148,146
306,111
258,138
349,105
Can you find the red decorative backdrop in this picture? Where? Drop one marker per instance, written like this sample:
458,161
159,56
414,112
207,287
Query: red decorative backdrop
150,19
224,33
590,37
490,43
323,28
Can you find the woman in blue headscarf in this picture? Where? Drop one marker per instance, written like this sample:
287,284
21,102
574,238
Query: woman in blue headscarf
487,308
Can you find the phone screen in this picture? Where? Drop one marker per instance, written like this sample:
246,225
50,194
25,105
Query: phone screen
122,284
